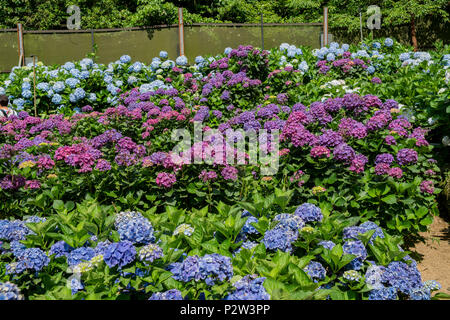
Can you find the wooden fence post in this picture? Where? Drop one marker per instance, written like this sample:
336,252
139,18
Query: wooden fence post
20,44
181,30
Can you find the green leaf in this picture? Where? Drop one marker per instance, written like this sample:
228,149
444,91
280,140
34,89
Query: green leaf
390,199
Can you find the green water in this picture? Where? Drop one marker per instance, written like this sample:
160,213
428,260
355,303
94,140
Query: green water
143,45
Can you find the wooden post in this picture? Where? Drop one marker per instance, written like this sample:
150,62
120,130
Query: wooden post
181,31
325,26
34,84
262,31
20,44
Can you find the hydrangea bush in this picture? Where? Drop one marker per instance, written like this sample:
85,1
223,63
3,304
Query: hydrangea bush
95,205
325,256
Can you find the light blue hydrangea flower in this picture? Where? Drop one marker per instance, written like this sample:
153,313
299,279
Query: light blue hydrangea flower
26,85
163,54
56,99
181,61
125,59
44,86
388,42
72,82
27,94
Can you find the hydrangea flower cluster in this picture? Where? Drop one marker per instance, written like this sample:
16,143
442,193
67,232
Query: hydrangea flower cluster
134,227
119,254
172,294
10,291
209,268
309,213
249,287
150,252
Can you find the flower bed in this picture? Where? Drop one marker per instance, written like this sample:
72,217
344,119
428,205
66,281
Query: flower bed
99,199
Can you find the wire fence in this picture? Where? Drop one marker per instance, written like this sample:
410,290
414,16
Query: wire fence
143,43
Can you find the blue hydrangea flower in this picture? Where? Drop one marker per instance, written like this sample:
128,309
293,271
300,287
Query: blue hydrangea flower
56,99
181,61
327,244
79,255
101,247
125,59
68,66
13,230
210,268
119,254
371,69
404,56
60,249
163,54
291,221
107,79
420,294
309,212
58,86
249,287
150,252
31,259
199,60
44,86
10,291
134,227
72,82
76,285
403,277
227,50
373,277
248,228
172,294
132,80
432,285
385,293
331,57
388,42
280,238
26,86
92,97
135,67
315,270
19,102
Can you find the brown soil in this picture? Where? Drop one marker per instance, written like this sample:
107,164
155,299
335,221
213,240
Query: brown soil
433,254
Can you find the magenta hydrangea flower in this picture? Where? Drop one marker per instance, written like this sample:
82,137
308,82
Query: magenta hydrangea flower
32,184
230,173
206,176
406,156
427,187
319,151
165,179
358,163
344,153
376,80
103,165
395,172
381,168
390,140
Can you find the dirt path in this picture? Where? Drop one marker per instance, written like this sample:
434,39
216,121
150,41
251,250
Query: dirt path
434,254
